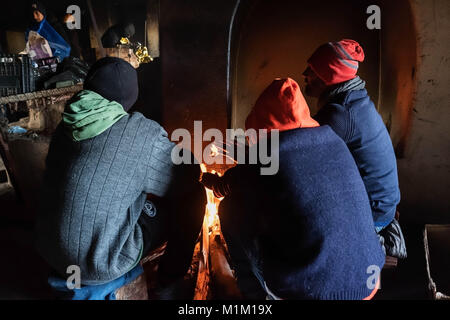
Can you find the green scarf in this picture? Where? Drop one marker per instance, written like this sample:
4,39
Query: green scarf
89,114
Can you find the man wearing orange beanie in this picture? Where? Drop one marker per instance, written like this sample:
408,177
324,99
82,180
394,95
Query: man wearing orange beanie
305,232
346,107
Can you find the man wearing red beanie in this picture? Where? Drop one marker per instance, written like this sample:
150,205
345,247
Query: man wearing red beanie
346,107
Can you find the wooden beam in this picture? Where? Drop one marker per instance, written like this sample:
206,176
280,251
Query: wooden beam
152,28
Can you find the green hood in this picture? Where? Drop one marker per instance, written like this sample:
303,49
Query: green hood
89,114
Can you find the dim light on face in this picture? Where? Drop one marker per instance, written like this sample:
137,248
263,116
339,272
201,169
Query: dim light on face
314,85
38,16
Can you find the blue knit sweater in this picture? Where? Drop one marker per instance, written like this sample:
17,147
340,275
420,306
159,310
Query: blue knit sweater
353,116
317,234
322,242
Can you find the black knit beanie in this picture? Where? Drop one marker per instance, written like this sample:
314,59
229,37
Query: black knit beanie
112,36
114,79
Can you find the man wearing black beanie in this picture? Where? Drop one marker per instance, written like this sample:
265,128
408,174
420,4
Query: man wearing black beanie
114,79
101,165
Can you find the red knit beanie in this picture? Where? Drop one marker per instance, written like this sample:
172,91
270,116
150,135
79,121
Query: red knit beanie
336,62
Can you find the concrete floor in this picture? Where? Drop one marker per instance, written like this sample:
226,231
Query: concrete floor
22,271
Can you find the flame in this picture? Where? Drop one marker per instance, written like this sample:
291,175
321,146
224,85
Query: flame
212,206
214,151
210,228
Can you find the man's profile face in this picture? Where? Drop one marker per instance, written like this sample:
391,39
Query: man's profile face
314,85
38,16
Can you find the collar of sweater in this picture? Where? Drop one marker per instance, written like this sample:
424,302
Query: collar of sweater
350,85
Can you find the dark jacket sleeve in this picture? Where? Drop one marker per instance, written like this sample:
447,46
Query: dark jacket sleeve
237,178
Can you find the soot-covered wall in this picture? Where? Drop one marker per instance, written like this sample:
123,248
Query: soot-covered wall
217,56
274,40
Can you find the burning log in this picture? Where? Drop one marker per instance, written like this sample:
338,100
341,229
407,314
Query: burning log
214,269
202,288
223,279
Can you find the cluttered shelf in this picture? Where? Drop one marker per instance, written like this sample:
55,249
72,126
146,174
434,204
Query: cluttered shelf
54,94
27,121
38,111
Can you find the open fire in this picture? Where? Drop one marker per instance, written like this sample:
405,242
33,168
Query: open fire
210,228
211,213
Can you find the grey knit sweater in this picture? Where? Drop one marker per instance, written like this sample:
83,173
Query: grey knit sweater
93,195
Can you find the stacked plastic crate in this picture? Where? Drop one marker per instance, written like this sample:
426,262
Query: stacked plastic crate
16,74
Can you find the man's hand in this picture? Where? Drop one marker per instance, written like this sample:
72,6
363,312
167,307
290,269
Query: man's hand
236,146
216,183
210,180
